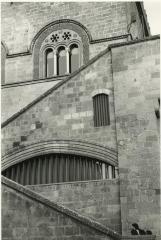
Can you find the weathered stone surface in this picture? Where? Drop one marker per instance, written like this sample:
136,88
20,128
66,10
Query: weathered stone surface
130,71
102,20
3,59
30,18
136,94
69,115
96,199
31,216
15,98
136,126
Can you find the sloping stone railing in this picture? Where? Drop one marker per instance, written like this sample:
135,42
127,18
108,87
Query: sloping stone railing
79,219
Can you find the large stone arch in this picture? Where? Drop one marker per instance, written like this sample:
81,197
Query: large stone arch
76,147
59,25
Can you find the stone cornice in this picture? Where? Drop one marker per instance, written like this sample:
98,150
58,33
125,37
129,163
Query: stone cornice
125,36
59,208
34,81
151,38
20,54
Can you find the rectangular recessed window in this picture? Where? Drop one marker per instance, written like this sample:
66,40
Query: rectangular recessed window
101,110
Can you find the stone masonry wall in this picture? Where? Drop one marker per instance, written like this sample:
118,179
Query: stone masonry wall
136,91
13,99
103,20
25,218
67,113
99,200
96,48
19,69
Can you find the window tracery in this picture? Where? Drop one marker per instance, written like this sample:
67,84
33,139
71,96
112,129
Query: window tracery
63,32
62,53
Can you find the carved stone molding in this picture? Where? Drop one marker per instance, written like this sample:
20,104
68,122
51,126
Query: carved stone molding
77,147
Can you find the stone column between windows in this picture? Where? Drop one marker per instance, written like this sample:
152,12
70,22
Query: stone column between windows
55,62
67,56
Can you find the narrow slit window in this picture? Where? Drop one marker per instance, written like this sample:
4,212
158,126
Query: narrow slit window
101,110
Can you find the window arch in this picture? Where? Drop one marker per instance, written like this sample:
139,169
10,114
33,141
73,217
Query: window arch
101,110
60,32
62,55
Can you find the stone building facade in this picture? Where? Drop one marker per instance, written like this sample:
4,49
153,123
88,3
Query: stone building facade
80,121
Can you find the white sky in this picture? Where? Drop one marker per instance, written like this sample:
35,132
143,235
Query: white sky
153,11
